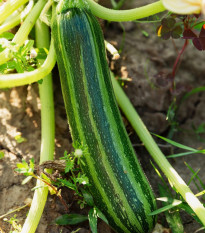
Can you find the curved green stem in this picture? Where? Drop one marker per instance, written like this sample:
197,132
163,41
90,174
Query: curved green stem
9,7
20,79
47,135
125,15
17,19
24,30
156,153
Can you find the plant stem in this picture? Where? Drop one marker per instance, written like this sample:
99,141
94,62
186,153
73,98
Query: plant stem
20,79
17,19
156,153
125,15
13,211
23,31
178,58
47,135
9,7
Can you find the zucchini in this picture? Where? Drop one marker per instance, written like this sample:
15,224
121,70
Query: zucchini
118,184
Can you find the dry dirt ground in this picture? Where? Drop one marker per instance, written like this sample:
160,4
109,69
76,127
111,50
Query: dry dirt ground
142,58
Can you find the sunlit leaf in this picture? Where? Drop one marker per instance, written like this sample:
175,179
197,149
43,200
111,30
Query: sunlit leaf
7,35
26,180
200,193
19,138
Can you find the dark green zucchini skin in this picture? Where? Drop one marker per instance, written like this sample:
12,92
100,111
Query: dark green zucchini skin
118,184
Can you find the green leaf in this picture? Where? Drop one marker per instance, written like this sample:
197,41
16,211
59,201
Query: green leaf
19,138
196,177
2,48
26,180
3,66
173,217
159,174
32,164
185,153
101,215
24,168
27,47
69,165
23,164
40,81
193,176
176,32
87,197
198,26
1,154
77,230
167,207
184,206
30,68
41,53
82,179
68,184
92,217
146,34
10,65
193,91
65,153
175,143
200,193
19,69
114,3
7,35
45,177
70,219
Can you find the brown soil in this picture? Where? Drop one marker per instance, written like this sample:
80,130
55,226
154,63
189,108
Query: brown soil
142,58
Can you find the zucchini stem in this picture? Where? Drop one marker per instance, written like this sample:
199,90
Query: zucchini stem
125,15
9,7
47,135
16,19
156,153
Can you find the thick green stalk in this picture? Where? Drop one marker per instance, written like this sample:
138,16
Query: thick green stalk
47,135
156,153
23,31
9,7
125,15
16,19
20,79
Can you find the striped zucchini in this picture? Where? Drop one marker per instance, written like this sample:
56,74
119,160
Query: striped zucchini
118,184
